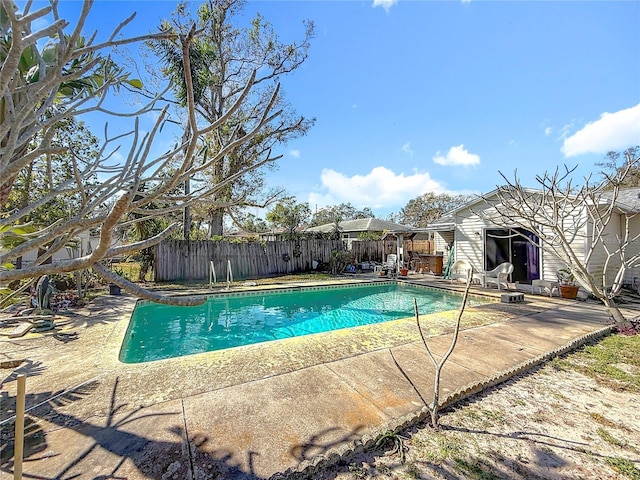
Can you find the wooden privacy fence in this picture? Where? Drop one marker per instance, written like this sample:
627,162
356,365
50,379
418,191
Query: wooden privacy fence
189,260
419,246
371,250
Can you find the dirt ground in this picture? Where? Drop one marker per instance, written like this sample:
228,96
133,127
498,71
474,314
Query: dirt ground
551,423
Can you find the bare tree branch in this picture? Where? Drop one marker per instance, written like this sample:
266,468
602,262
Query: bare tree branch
109,194
575,225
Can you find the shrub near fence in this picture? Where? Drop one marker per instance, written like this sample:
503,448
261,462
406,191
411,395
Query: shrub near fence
189,261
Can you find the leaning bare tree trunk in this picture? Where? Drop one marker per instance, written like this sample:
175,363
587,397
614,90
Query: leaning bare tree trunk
614,312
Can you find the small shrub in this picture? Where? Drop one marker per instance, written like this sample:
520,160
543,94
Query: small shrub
339,260
63,281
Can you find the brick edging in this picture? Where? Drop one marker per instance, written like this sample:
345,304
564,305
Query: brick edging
307,468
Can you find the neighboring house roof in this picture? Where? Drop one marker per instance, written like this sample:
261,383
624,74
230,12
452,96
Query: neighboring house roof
242,234
628,198
442,224
280,231
361,225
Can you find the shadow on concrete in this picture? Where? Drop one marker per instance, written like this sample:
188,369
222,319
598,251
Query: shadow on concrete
35,438
93,447
29,368
323,441
100,311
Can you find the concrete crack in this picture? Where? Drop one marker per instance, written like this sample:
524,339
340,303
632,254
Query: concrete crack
186,434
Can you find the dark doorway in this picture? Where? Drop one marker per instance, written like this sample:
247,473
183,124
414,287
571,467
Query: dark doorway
514,245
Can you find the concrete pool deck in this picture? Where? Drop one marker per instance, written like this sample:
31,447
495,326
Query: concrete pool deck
261,410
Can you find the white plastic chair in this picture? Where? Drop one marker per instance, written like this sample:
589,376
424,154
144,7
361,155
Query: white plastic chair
391,263
460,269
497,276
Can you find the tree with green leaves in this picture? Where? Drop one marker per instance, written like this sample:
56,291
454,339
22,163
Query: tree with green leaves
71,76
70,138
426,208
226,57
48,84
288,214
250,223
615,164
339,213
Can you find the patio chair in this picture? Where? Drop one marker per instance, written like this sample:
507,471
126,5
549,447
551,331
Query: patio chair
460,269
497,276
391,264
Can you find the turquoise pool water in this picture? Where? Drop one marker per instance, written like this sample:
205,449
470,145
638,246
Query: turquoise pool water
158,332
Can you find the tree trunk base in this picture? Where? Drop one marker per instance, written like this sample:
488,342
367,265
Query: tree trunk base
616,316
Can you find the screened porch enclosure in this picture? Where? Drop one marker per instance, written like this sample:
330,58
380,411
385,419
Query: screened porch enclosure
514,245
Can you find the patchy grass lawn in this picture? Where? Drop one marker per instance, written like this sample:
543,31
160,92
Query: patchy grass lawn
131,271
614,362
575,417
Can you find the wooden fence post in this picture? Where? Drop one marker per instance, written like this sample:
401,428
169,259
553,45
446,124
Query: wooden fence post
19,434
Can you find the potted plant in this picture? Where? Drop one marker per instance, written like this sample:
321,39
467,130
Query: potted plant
568,287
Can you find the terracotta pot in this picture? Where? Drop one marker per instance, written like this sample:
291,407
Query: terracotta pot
569,291
404,272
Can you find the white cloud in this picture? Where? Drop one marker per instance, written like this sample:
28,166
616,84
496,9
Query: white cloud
457,156
295,153
380,188
406,148
612,131
386,4
566,129
547,131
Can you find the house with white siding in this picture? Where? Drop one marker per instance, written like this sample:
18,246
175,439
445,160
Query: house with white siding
479,232
83,243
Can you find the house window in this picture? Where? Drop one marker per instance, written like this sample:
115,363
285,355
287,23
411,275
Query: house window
517,246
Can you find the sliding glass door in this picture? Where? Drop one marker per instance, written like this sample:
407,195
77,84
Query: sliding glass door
514,245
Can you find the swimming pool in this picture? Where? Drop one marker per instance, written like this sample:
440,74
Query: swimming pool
158,332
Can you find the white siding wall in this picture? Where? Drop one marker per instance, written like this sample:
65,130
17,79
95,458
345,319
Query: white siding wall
632,276
441,240
610,239
349,237
83,239
469,238
469,243
550,264
599,256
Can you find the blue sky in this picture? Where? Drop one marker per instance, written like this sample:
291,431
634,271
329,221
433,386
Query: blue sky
416,96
